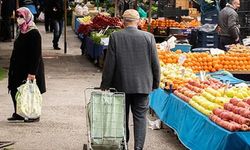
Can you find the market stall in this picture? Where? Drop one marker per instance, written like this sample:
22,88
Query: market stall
195,130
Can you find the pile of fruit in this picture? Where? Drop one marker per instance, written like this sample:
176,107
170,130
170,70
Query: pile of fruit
85,20
235,116
196,61
229,108
175,75
234,61
163,24
206,62
238,48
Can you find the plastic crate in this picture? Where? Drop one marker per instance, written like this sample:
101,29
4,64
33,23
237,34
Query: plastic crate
208,44
205,36
244,5
183,47
210,17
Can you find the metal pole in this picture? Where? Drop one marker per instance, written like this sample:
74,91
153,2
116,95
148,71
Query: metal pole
149,15
65,26
116,2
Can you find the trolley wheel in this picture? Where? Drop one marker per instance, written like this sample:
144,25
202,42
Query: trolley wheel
85,147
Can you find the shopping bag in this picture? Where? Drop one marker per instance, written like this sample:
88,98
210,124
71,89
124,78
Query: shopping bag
41,17
106,117
29,100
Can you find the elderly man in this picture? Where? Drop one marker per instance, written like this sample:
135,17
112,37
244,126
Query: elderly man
132,66
229,24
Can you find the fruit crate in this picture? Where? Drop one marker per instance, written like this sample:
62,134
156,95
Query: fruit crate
208,36
244,18
210,17
208,44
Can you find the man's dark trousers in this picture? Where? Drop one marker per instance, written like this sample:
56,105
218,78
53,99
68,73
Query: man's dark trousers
139,106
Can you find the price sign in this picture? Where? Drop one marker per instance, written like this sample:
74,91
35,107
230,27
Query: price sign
182,59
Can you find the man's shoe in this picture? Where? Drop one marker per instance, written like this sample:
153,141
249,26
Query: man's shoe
32,120
57,48
15,117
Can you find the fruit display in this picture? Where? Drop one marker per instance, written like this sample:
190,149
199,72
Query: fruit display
234,61
237,92
235,116
168,23
85,20
205,62
196,61
175,75
238,48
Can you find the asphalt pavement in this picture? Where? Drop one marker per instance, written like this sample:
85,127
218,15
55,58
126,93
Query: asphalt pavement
63,122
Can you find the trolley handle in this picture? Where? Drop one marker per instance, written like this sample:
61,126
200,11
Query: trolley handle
110,89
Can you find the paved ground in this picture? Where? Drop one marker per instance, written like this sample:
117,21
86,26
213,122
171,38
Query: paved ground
63,125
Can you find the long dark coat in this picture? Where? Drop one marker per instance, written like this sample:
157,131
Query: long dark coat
27,59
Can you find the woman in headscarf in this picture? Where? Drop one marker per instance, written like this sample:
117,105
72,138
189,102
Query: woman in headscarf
26,60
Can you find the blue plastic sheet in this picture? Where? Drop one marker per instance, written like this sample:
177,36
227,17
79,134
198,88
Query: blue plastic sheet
195,130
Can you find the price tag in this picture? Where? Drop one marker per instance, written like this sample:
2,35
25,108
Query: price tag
182,59
183,72
105,41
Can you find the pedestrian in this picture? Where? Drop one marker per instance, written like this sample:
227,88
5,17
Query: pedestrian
26,61
8,6
47,16
57,15
125,5
132,66
229,24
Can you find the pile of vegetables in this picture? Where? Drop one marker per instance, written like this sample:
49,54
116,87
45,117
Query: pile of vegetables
99,22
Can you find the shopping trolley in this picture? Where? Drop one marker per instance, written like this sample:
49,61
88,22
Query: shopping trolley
106,119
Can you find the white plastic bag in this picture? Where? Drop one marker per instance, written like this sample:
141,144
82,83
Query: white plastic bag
41,17
79,9
85,10
29,100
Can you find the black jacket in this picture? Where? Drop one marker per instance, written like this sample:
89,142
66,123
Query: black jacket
22,3
57,9
27,59
8,6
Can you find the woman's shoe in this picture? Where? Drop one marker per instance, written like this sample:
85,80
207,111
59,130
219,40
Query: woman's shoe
15,117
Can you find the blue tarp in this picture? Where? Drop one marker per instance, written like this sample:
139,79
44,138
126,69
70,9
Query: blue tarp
195,130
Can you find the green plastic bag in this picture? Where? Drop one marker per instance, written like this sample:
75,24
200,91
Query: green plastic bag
142,13
29,100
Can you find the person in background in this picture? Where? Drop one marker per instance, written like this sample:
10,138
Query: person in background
8,6
57,15
229,28
33,6
26,60
132,66
124,5
47,14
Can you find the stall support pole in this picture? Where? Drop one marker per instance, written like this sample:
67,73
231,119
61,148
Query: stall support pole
65,26
149,15
116,3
